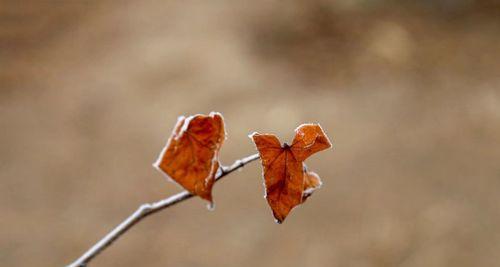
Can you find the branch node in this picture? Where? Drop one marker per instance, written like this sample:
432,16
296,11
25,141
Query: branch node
224,169
146,207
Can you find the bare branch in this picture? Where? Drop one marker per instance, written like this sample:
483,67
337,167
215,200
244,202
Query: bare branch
147,209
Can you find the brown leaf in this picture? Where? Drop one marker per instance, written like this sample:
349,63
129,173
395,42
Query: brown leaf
190,157
286,181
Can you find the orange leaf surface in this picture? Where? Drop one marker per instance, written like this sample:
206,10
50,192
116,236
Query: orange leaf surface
190,157
287,182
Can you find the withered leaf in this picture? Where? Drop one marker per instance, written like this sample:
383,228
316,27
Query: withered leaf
287,182
190,157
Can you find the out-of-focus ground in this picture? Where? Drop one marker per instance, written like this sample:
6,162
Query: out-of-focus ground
407,90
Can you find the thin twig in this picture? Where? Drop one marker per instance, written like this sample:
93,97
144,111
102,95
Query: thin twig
147,209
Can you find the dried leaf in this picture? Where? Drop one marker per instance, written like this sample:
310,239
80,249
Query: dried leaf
286,181
190,157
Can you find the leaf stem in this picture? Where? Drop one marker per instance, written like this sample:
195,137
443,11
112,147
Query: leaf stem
150,208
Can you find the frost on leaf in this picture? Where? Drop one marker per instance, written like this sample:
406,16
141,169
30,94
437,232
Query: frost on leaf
190,157
287,182
311,183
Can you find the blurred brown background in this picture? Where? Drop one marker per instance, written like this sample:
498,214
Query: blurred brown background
407,90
